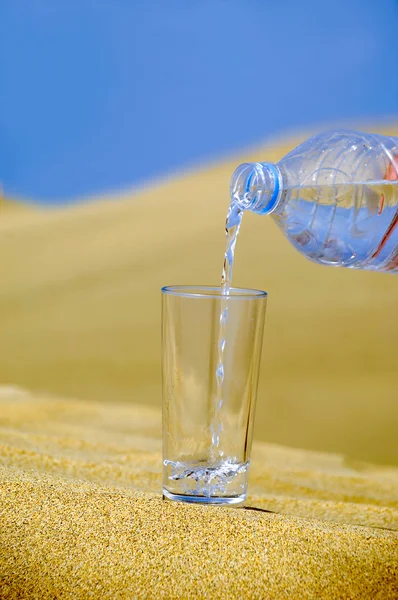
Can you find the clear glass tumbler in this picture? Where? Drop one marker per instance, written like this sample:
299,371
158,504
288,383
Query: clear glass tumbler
211,350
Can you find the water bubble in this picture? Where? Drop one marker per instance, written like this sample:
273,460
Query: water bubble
215,439
220,373
224,316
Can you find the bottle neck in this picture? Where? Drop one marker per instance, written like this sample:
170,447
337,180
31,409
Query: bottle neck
257,187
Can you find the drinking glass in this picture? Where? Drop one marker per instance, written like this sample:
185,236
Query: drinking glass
211,351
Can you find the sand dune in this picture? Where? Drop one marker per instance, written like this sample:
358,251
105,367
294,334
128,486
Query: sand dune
80,311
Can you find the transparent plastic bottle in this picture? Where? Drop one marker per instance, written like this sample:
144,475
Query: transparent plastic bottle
335,197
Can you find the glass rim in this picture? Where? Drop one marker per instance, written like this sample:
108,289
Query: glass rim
209,291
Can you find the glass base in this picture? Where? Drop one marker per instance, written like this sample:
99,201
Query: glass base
220,500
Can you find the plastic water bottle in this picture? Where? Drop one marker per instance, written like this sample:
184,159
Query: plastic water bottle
335,197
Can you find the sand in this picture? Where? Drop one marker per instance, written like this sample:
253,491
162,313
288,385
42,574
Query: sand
82,516
81,513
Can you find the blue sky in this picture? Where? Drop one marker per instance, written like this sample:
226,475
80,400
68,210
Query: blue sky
98,96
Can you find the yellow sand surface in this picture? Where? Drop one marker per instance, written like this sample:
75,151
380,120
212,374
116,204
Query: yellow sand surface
82,516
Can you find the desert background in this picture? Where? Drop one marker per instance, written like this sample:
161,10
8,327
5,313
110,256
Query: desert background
121,124
80,309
